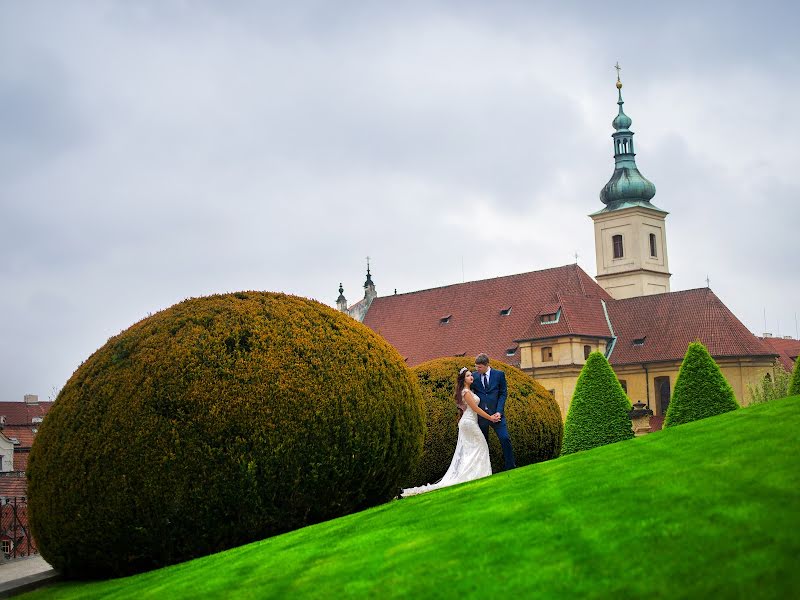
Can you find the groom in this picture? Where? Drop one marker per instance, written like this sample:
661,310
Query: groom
490,386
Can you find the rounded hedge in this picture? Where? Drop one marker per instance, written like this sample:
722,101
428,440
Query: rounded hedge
701,389
216,422
598,411
534,419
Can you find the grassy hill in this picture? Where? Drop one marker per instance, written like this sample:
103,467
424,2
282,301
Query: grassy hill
707,509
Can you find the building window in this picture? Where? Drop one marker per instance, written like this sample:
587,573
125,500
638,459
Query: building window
511,351
445,320
639,341
587,350
6,546
547,354
624,385
550,317
662,389
505,312
653,252
617,242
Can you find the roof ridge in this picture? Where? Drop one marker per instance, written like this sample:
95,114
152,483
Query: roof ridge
450,285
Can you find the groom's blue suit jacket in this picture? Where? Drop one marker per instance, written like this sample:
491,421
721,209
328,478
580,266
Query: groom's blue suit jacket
493,397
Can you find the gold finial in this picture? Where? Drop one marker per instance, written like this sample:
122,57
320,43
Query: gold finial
618,68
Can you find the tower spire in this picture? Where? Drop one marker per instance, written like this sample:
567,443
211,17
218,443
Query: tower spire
627,184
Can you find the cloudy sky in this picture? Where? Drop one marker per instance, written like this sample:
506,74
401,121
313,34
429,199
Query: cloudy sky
152,151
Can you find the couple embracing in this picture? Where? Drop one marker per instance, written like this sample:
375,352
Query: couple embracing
480,398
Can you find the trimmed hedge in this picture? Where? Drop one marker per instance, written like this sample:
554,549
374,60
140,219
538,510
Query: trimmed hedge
534,419
701,389
598,412
216,422
794,386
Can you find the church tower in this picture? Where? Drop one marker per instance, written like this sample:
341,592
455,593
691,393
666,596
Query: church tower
629,233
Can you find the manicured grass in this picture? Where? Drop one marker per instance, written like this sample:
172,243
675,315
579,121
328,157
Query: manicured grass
710,509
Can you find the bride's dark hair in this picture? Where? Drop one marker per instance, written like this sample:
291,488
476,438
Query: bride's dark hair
460,402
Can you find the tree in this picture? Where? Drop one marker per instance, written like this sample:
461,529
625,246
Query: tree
701,389
771,387
794,386
598,413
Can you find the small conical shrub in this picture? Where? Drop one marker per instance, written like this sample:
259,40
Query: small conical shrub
794,386
598,413
701,389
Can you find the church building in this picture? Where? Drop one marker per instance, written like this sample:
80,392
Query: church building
547,322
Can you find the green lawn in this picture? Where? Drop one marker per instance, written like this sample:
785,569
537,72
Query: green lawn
710,509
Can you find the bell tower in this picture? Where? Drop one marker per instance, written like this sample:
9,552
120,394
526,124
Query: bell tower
629,233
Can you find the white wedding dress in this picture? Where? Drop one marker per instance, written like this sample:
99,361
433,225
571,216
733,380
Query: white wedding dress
470,460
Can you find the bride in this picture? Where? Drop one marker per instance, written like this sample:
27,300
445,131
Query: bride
471,458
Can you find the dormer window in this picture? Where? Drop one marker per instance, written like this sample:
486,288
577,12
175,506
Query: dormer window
461,354
548,318
505,312
445,320
511,351
639,341
36,420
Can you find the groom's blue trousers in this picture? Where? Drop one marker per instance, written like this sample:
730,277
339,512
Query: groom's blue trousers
505,440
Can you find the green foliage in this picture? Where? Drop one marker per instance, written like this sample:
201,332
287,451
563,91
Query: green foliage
598,412
219,421
701,389
794,386
707,511
771,387
534,419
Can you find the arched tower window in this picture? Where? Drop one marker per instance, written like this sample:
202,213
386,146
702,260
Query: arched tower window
617,243
653,248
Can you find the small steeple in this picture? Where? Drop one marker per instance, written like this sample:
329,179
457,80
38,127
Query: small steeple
369,286
341,301
627,184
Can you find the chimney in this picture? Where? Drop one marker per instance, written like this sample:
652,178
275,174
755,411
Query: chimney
31,399
788,337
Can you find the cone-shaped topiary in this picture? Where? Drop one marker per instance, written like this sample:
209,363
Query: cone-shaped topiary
598,412
216,422
534,419
701,389
794,386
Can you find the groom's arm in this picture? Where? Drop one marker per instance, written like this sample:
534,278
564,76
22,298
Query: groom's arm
501,398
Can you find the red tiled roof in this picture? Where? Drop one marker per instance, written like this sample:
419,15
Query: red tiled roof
21,460
669,322
24,435
580,315
412,322
787,350
22,413
12,484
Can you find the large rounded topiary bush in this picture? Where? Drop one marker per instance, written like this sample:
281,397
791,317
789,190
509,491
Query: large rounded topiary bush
598,411
219,421
534,419
701,389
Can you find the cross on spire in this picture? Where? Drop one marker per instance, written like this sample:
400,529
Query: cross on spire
618,68
576,257
708,282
